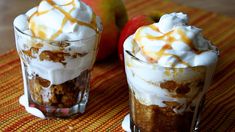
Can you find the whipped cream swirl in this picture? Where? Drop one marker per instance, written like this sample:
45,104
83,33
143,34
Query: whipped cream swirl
172,43
60,20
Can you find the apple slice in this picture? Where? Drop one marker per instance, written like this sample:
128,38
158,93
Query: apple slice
130,28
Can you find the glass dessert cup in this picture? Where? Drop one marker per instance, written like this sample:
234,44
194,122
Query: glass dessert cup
56,74
165,99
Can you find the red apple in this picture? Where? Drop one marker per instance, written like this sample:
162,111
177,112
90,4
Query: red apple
114,17
130,28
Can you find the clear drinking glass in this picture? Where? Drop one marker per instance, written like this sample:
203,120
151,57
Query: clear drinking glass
163,99
56,74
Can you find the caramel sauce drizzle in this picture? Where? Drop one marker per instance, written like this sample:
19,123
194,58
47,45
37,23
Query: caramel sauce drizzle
93,22
35,13
162,51
33,25
68,17
63,24
178,59
188,41
153,27
42,34
169,39
137,36
69,3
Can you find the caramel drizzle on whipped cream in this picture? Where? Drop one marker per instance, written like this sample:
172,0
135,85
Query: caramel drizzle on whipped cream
67,17
169,39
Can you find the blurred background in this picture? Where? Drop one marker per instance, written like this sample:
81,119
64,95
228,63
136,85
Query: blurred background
9,9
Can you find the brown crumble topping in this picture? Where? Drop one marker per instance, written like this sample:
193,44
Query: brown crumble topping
31,52
158,119
57,56
169,85
63,95
43,82
183,89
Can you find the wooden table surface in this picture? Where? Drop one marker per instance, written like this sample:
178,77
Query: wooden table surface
9,12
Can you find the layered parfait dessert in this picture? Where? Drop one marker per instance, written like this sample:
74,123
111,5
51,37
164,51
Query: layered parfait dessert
169,66
57,42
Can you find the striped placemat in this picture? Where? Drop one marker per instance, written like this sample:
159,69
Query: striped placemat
108,102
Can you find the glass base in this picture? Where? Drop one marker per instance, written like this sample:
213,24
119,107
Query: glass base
154,124
133,127
54,112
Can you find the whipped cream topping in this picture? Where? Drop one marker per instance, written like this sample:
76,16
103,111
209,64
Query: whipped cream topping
59,20
172,43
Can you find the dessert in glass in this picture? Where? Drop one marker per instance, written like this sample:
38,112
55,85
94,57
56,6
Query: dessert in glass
57,42
169,67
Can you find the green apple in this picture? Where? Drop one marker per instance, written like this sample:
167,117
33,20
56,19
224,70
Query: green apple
114,17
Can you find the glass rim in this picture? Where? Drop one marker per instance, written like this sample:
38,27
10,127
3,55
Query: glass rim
58,41
144,62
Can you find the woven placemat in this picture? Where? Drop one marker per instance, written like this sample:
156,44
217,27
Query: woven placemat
108,102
